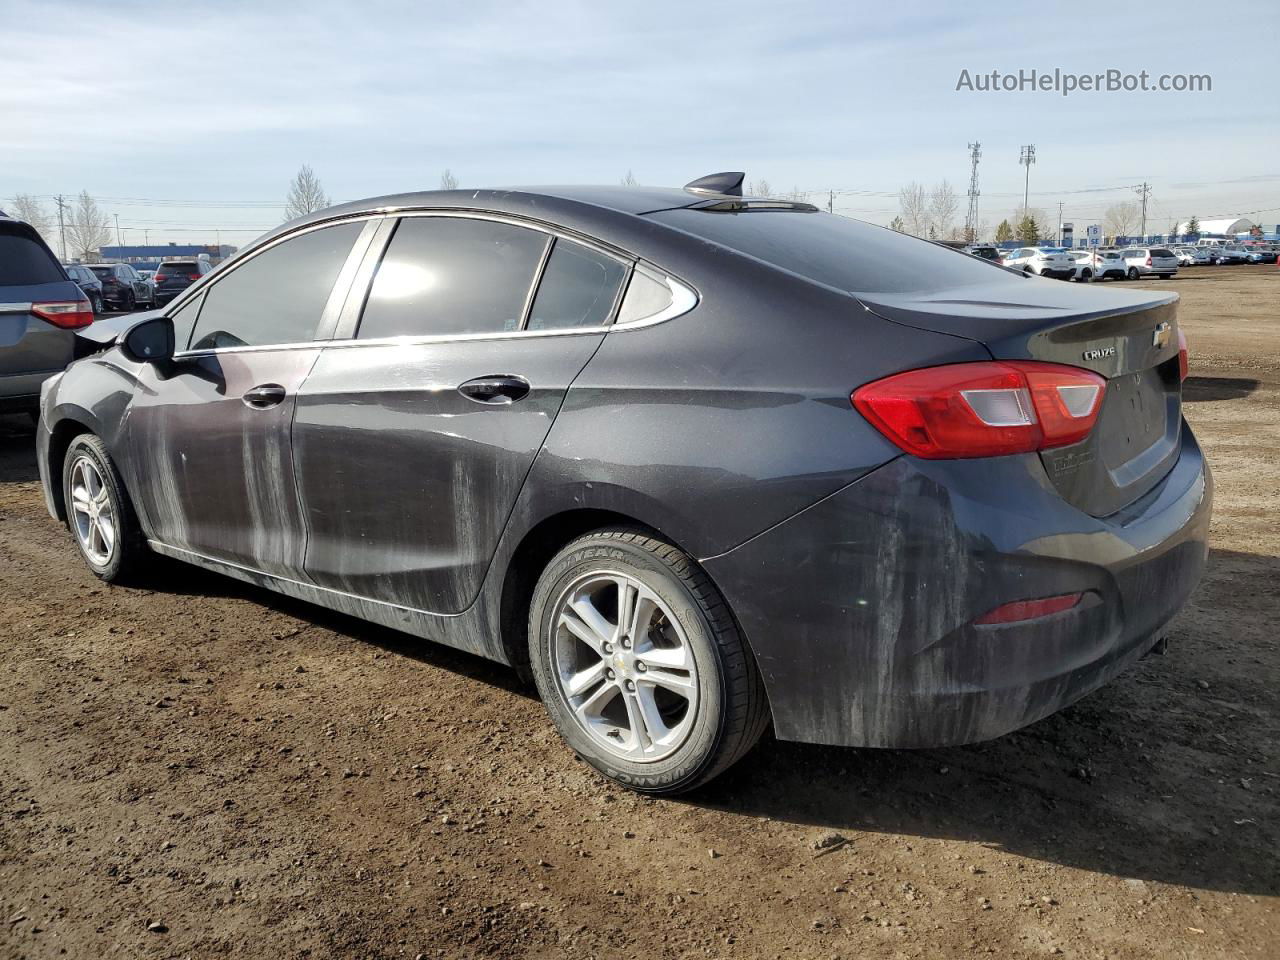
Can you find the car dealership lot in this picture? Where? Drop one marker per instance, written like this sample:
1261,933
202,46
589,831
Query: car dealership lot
250,772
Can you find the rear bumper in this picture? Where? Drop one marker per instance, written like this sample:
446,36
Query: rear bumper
860,609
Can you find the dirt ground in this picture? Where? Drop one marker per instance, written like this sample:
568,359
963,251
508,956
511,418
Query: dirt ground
265,779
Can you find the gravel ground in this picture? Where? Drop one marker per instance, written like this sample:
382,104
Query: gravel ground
204,769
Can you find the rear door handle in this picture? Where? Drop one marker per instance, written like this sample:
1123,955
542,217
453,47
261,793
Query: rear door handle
495,389
263,396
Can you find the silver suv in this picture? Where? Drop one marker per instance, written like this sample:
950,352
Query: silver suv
40,308
1149,261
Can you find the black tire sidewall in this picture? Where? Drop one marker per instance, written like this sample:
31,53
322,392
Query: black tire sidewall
88,446
700,746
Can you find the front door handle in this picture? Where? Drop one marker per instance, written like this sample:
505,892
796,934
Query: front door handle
264,396
495,389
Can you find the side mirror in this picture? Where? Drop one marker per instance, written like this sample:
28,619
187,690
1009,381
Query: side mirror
150,341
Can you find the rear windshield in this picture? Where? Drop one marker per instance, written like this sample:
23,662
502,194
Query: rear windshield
103,272
23,261
840,252
178,266
1160,252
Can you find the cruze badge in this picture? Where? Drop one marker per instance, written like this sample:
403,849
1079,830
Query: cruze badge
1161,335
1100,353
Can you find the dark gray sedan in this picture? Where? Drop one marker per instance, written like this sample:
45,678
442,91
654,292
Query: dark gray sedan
702,464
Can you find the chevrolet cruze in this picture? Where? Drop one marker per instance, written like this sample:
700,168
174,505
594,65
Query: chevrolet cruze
701,464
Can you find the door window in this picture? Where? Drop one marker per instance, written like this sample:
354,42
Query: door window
279,295
578,288
452,275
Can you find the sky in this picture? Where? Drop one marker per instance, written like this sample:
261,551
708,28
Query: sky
187,121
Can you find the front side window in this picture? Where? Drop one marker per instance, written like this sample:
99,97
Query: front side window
450,276
578,288
279,295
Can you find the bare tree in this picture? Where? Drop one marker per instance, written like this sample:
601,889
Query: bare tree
28,208
1120,218
305,195
797,195
913,206
88,229
629,180
448,181
943,204
759,188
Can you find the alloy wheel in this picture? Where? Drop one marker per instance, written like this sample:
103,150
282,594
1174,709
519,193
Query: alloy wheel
624,666
93,512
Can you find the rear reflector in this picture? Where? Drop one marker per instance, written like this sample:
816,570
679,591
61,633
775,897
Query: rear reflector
1029,609
986,409
67,314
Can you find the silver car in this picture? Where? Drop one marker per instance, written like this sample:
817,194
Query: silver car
1149,261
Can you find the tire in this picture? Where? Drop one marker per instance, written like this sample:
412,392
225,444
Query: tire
710,707
1086,276
124,558
96,304
130,302
1028,271
1133,273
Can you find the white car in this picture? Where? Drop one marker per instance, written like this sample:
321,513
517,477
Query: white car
1149,262
1099,265
1043,262
1192,256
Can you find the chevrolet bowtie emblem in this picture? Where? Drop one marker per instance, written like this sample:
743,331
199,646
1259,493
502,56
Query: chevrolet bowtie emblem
1161,335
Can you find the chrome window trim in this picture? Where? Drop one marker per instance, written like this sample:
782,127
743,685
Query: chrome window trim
218,276
684,296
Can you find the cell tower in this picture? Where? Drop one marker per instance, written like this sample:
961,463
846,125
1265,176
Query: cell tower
971,218
1027,158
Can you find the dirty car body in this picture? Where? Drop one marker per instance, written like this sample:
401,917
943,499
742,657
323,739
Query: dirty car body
419,480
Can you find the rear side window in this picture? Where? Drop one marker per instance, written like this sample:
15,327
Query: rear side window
23,260
452,275
578,288
279,295
838,251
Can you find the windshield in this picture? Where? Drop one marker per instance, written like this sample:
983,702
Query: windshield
837,251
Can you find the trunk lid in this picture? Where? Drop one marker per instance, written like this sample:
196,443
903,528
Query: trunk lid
1130,338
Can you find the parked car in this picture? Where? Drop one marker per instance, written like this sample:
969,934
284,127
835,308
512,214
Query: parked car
122,288
174,276
40,310
1233,253
88,282
703,464
1149,261
1099,265
1195,256
146,274
1043,262
1260,255
985,251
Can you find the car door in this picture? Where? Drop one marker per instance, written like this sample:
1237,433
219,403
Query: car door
413,436
209,433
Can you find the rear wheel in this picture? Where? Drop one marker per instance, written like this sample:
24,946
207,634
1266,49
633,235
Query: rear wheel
95,302
1133,273
640,665
130,302
99,512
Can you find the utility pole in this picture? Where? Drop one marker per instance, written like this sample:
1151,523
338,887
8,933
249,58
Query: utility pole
1144,191
971,218
1059,223
831,201
62,226
1027,158
118,242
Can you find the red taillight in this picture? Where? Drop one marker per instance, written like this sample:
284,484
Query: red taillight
986,409
1148,261
67,314
193,277
159,278
1184,361
1029,609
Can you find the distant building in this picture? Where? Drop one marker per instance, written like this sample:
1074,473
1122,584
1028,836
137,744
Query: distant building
1221,228
167,251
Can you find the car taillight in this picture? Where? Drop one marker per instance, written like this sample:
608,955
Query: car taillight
985,409
193,276
1148,261
1184,360
160,278
67,314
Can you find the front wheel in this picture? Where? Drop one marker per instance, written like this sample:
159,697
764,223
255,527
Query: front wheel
99,512
640,664
130,302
